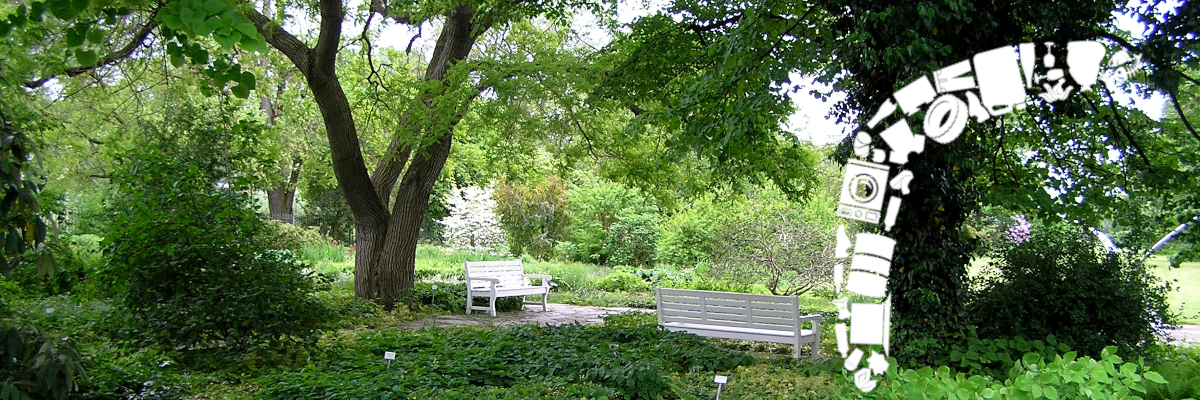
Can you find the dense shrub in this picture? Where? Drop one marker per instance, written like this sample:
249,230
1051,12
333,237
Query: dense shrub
187,247
535,218
687,237
35,363
632,240
1060,282
622,282
596,206
284,236
77,259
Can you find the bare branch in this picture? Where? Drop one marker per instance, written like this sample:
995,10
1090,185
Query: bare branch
291,47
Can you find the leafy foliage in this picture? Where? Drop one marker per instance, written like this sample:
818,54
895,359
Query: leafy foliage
1060,282
190,251
1067,377
626,360
622,282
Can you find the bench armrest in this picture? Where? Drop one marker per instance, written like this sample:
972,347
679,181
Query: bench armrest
815,319
545,278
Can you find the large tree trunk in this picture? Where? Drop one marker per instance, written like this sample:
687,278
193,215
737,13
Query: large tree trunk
282,197
385,241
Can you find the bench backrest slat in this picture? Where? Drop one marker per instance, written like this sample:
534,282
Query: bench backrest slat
739,310
510,273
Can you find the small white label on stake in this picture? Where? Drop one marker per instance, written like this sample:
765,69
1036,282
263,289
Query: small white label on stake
387,355
720,379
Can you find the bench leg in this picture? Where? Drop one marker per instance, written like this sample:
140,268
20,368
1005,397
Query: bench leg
544,295
492,306
469,298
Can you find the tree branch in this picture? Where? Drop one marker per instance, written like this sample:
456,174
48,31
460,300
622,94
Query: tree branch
377,7
291,47
139,38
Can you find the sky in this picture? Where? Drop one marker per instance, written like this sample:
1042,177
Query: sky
809,122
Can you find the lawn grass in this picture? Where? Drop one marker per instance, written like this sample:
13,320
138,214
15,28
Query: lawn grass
1184,299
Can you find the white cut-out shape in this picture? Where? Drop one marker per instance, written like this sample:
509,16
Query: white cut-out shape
843,343
843,306
975,108
1119,67
851,362
874,245
1048,59
1028,61
866,283
862,144
889,218
866,324
877,363
1056,92
878,156
900,182
888,108
843,242
838,271
914,95
862,191
901,140
945,119
1083,62
863,381
951,79
999,80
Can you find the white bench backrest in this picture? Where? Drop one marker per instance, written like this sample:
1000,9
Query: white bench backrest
510,273
728,309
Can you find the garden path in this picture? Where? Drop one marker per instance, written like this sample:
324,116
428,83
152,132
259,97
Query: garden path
1186,334
555,314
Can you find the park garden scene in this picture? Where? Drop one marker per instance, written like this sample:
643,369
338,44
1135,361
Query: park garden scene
526,199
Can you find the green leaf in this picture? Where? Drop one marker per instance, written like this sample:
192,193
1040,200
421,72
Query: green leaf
1031,358
177,60
247,29
80,6
228,41
1050,392
1154,377
96,36
248,80
75,35
5,28
36,11
86,57
241,91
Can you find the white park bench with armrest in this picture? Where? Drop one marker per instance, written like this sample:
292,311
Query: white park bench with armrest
774,319
494,279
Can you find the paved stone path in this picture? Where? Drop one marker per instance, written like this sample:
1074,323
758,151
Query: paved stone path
555,314
1186,334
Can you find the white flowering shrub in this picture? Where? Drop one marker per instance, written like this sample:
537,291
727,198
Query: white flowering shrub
472,223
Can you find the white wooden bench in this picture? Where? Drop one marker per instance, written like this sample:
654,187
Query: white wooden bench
494,279
774,319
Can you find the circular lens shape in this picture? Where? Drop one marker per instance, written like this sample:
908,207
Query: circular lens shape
863,188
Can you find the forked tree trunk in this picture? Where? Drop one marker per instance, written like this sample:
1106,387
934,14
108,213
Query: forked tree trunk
385,240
